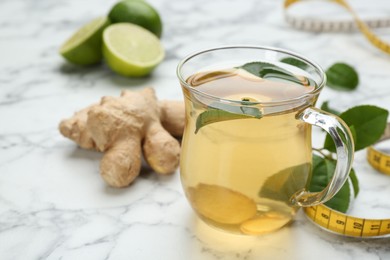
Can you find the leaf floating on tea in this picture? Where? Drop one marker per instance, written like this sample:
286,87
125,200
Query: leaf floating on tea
267,70
218,112
295,62
264,69
249,101
342,76
214,115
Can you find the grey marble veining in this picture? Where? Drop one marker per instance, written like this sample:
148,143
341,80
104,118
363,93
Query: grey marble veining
53,203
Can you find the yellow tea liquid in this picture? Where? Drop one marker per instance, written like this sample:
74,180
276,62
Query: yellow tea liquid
239,175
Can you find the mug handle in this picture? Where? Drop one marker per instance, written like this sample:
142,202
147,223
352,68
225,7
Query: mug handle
343,140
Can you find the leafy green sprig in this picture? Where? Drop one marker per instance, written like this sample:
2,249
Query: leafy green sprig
367,124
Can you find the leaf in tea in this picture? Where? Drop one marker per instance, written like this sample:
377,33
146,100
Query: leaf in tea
284,184
295,62
223,112
267,70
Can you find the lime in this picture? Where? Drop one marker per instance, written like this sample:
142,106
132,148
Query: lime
131,50
137,12
85,45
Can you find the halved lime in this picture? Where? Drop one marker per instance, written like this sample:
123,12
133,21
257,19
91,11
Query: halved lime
137,12
131,50
85,45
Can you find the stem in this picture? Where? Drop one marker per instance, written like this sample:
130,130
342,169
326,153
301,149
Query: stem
321,151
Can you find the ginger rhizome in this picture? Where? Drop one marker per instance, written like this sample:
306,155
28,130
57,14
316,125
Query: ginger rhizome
125,127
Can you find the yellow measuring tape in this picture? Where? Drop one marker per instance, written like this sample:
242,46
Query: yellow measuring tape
380,160
317,25
340,223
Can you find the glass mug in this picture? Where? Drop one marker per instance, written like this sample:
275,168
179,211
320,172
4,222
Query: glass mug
250,174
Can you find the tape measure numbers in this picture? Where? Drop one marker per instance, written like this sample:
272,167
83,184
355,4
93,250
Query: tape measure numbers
344,224
380,160
317,25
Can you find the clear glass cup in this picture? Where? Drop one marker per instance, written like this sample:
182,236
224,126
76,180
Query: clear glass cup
251,175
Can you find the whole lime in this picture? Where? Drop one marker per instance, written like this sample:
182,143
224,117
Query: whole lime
137,12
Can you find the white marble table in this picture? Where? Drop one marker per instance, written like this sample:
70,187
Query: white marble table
53,203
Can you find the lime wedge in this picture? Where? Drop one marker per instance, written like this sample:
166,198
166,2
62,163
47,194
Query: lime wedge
85,45
131,50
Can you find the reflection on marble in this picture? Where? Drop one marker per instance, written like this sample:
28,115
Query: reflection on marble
53,203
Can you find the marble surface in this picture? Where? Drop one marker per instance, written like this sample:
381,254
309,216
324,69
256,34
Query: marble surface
53,203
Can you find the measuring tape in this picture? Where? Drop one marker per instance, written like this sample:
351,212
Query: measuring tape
343,224
319,26
380,160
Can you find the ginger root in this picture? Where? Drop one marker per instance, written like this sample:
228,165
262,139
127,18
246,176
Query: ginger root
119,126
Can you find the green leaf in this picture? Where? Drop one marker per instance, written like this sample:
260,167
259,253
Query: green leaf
317,160
341,200
323,170
267,70
295,62
326,108
367,124
354,181
282,185
262,69
342,76
218,112
353,133
245,109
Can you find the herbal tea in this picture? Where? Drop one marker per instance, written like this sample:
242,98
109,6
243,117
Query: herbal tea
240,174
246,150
